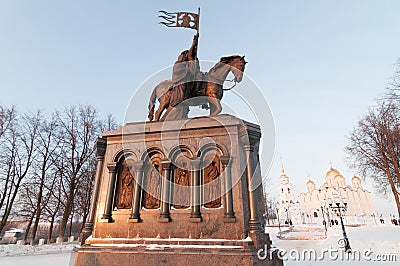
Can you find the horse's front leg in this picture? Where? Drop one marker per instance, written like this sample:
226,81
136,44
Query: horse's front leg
215,106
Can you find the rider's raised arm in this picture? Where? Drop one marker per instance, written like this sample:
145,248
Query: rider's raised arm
193,49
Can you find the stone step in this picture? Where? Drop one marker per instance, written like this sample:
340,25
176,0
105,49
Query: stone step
302,233
302,237
169,241
308,229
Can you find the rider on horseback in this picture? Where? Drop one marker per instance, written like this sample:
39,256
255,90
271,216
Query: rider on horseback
185,72
189,83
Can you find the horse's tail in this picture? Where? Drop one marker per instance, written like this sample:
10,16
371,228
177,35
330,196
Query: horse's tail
152,101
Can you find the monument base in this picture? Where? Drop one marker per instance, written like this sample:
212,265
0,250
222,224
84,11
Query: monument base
227,230
148,251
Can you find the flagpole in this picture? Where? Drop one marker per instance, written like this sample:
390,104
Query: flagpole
198,29
198,21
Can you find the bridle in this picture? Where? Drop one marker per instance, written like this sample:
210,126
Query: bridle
233,86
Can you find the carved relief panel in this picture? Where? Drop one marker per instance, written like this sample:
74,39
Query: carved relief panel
126,183
152,183
212,182
181,194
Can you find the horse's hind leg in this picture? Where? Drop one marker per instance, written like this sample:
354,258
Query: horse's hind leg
163,105
169,109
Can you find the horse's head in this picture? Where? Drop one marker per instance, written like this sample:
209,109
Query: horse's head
234,64
237,64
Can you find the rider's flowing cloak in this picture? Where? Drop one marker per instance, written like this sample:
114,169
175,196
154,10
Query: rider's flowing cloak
183,75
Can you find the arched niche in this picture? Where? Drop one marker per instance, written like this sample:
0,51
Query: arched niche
126,153
152,178
125,181
180,157
211,175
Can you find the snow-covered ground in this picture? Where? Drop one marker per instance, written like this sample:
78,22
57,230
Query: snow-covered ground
370,242
59,259
44,255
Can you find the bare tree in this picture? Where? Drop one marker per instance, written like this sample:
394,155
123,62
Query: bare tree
7,116
270,213
8,142
84,192
20,152
110,123
47,167
47,149
393,89
25,206
374,148
79,128
53,209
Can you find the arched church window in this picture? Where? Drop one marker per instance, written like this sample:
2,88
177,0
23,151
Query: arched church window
315,214
288,190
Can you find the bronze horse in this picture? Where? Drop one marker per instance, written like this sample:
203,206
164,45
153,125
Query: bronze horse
210,87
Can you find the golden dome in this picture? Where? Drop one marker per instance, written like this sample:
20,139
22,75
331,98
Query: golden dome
332,172
356,177
310,182
339,176
283,175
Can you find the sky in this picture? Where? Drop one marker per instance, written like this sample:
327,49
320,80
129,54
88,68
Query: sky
319,64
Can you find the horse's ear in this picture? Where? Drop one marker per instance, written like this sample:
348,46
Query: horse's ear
244,59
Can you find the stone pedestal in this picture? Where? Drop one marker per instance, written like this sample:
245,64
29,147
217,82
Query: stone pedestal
136,218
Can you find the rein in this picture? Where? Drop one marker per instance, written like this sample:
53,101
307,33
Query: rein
232,80
229,80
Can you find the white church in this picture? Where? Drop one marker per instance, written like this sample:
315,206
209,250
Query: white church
312,207
287,207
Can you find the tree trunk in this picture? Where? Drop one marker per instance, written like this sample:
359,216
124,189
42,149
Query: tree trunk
28,227
50,231
395,194
36,223
38,205
70,224
83,223
9,206
68,209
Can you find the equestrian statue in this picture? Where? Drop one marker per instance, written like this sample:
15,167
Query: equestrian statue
191,87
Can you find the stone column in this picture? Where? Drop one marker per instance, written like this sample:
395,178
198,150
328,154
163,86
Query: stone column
136,199
254,222
165,196
100,145
195,216
229,216
112,171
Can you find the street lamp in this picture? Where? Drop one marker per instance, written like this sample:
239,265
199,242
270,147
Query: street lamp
373,215
277,215
327,212
287,216
287,212
339,209
324,221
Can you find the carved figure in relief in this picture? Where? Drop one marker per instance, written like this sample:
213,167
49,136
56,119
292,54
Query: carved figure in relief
181,195
152,200
212,174
126,189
